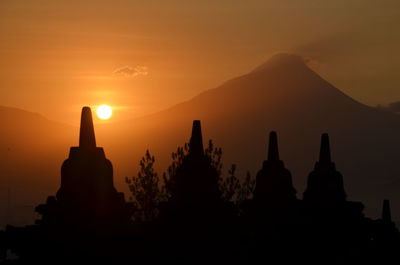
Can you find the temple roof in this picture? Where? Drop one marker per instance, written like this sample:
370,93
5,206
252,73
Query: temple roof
386,213
325,150
196,140
273,152
87,137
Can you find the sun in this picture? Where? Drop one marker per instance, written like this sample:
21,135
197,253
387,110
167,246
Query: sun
104,112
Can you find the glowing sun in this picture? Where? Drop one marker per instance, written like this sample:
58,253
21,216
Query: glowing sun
104,112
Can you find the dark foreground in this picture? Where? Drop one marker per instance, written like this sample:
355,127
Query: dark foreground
89,222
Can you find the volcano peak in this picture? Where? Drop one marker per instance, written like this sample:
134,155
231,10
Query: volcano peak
282,60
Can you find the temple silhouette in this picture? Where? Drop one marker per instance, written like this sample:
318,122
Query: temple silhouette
87,196
274,185
325,184
195,185
89,221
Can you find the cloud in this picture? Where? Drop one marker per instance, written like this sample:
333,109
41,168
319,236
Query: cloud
129,71
392,107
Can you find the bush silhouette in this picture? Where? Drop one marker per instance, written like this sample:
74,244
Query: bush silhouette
147,190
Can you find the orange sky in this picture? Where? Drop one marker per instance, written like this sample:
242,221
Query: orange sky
143,56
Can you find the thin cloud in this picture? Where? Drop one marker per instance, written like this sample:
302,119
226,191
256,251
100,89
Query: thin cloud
128,71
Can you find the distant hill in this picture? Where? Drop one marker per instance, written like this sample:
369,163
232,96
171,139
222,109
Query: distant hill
283,94
31,150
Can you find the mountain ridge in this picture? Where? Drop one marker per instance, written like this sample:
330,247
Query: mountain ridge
300,105
238,115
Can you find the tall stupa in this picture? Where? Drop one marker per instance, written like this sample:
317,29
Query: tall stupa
87,194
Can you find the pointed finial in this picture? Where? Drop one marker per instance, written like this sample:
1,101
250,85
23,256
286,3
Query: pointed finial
273,152
196,140
87,138
386,214
325,151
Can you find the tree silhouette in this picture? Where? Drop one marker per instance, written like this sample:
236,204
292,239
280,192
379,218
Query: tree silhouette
215,156
230,185
177,159
147,190
232,189
246,188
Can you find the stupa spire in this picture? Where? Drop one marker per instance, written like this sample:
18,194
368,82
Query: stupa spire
274,185
87,138
196,140
273,152
325,151
386,213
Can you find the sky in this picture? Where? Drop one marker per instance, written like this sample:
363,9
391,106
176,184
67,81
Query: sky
144,56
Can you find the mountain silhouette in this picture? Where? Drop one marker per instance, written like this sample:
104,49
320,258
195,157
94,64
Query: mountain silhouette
282,95
286,96
32,149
